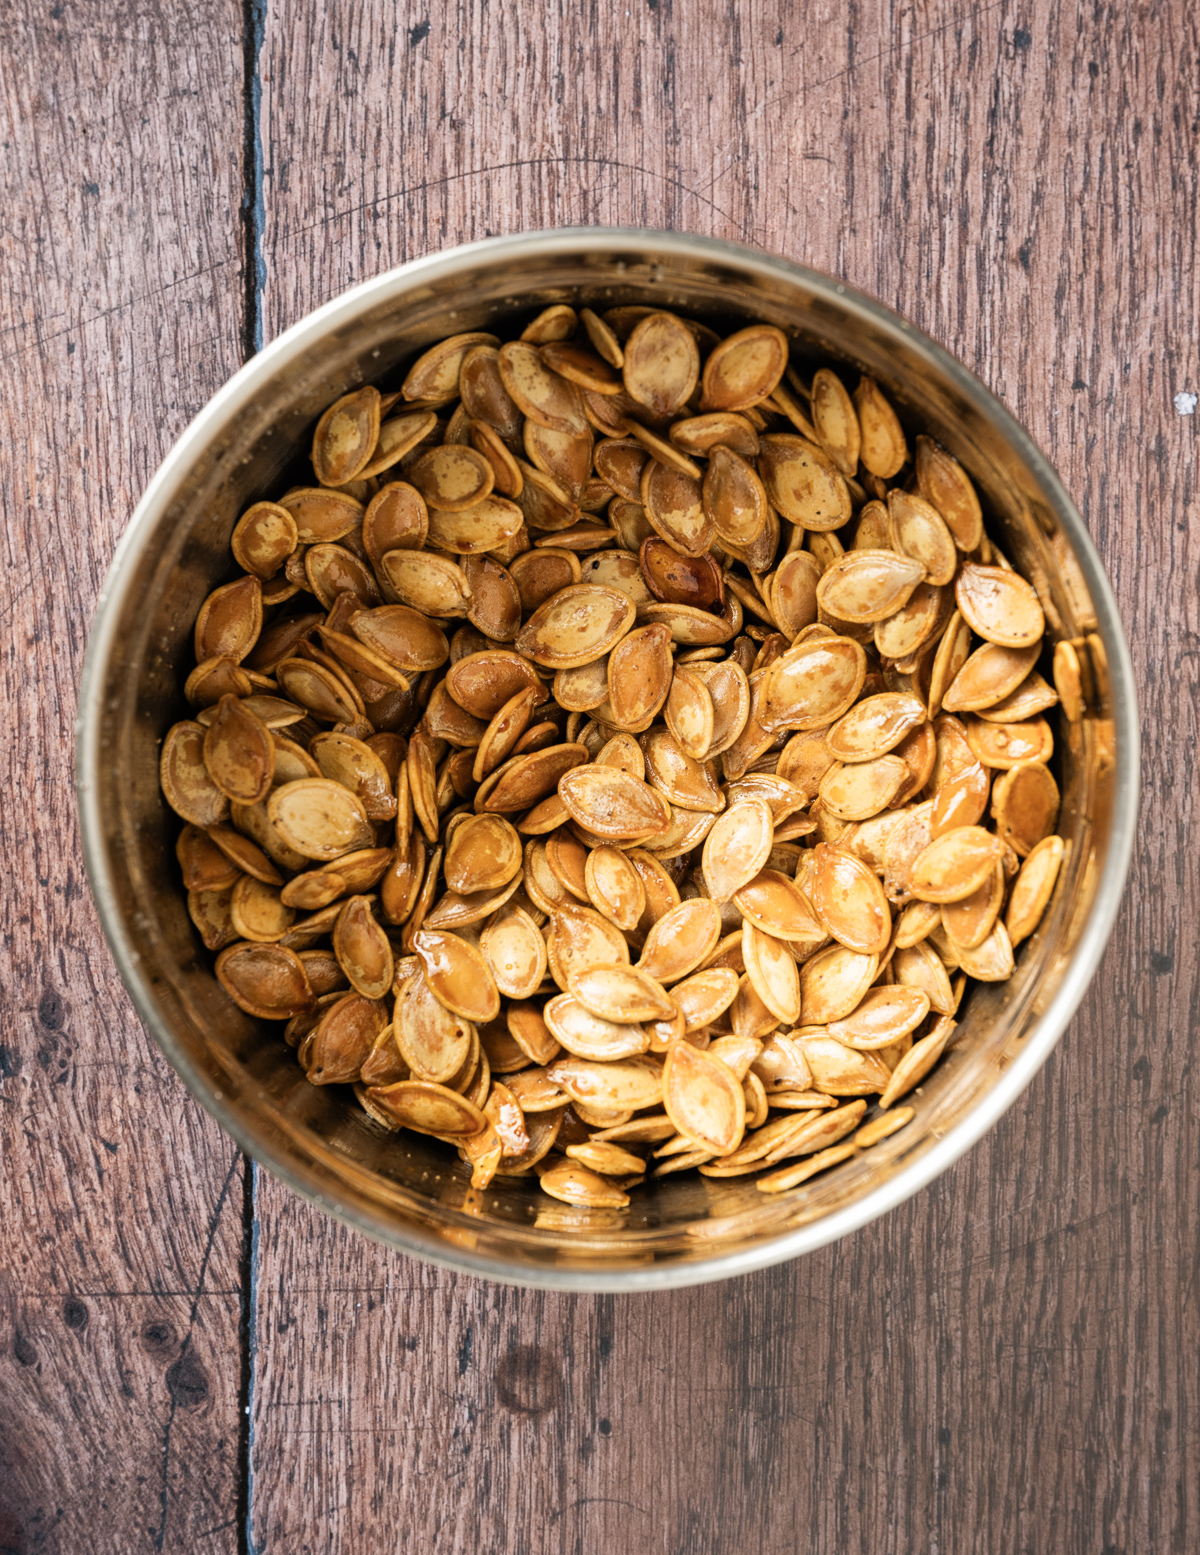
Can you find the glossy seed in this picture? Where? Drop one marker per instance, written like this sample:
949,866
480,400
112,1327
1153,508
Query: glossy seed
614,887
428,1108
849,901
803,483
363,950
813,684
777,905
265,980
345,437
319,818
868,585
661,364
955,864
1033,888
704,1099
744,369
883,449
883,1017
229,621
680,940
621,993
1025,804
833,982
737,848
1000,606
918,532
916,1063
771,968
584,1034
185,780
575,1183
612,804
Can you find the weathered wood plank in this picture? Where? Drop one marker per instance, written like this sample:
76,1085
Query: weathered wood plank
997,1365
120,1202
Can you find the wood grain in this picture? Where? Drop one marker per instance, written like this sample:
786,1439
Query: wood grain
995,1366
120,1202
1004,1364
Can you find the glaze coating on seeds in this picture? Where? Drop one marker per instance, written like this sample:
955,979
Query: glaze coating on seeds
620,757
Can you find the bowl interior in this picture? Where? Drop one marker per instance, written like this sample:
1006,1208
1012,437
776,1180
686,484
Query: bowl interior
401,1188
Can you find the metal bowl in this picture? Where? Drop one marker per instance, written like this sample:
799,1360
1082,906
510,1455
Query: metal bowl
413,1194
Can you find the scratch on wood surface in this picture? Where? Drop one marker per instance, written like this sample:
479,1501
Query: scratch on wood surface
185,1349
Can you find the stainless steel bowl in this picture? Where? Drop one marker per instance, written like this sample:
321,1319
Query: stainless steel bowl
408,1193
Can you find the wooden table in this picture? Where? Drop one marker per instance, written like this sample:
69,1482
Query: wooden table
190,1358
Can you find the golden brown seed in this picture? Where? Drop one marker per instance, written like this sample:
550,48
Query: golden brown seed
363,950
883,450
575,1183
883,1017
264,538
1025,805
430,584
265,980
582,939
614,887
772,971
257,913
704,1099
576,626
833,982
875,725
435,374
457,974
185,780
969,920
638,676
836,420
1031,697
868,585
776,905
813,684
428,1108
849,901
483,854
955,864
680,940
539,392
990,675
856,791
345,437
700,434
1000,606
945,484
585,1034
621,993
918,531
230,620
1033,888
803,483
1002,746
734,498
661,365
737,848
630,1083
319,818
916,1063
839,1070
745,368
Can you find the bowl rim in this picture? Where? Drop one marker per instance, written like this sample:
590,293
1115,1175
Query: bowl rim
1047,1028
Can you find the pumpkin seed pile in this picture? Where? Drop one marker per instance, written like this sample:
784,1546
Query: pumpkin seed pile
619,758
